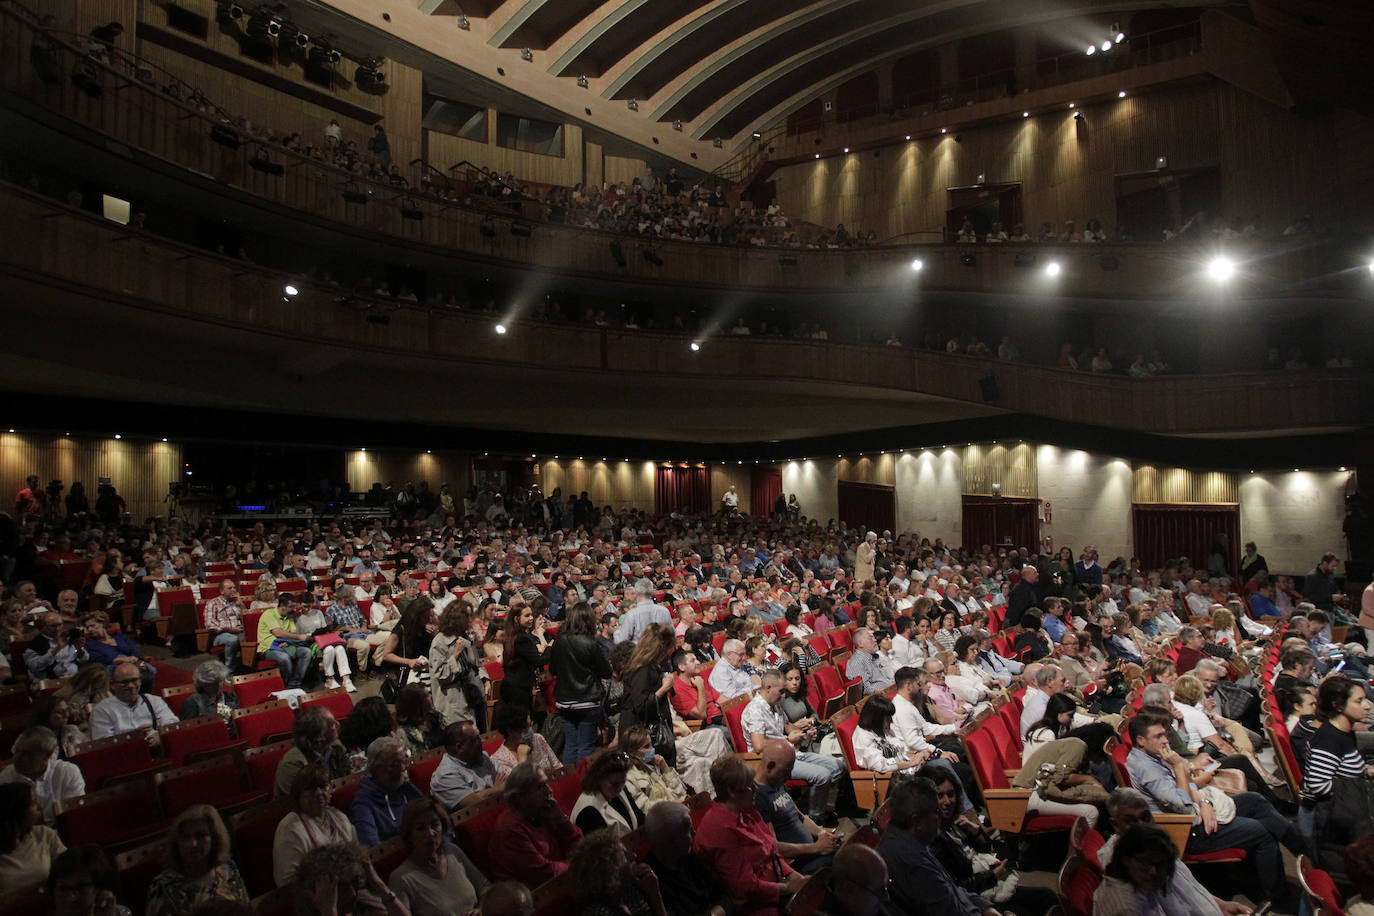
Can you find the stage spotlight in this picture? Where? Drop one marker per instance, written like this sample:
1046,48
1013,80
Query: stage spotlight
1092,49
846,149
582,82
1025,114
500,329
718,143
1121,94
1120,37
526,54
290,290
916,265
301,39
695,346
758,135
463,23
944,130
1106,45
1221,268
632,105
1052,269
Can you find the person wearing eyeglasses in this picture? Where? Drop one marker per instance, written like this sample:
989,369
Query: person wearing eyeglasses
127,709
533,839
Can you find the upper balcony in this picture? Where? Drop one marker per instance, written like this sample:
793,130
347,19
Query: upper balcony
112,311
135,120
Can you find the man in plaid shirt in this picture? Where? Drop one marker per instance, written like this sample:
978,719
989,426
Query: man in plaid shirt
223,619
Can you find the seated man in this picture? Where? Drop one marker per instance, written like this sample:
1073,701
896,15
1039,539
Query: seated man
55,651
533,839
224,620
383,793
466,775
35,762
920,885
1125,809
728,677
737,844
801,841
858,883
764,720
1005,670
691,696
1170,786
278,641
126,709
948,706
867,663
1119,648
687,886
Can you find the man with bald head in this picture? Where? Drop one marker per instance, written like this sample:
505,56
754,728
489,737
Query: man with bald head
858,884
126,709
801,841
508,898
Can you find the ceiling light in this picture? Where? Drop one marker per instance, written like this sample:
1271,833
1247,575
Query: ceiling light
117,435
1071,104
1221,268
500,329
1107,45
695,346
758,135
1025,114
1371,266
1120,37
916,264
908,136
290,290
164,438
846,149
1121,94
677,126
1052,269
944,130
1092,49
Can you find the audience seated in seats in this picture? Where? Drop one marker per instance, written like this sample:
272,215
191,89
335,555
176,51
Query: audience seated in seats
53,652
737,844
112,648
36,763
369,720
691,696
533,839
383,793
315,741
806,845
867,664
1171,785
728,676
763,721
311,823
280,643
417,722
82,882
605,803
339,880
1143,872
199,868
466,775
211,698
521,742
436,878
27,846
607,881
128,709
687,886
53,711
223,618
650,780
919,883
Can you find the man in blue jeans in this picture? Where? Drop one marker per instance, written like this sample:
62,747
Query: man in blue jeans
1171,786
278,641
763,721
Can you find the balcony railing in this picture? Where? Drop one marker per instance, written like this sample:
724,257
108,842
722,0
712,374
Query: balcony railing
99,274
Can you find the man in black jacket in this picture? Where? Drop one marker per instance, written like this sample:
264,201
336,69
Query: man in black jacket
1023,595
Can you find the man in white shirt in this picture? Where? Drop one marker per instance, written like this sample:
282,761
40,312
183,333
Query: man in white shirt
1049,680
899,577
905,653
990,660
912,728
764,721
127,709
728,676
35,762
636,620
1198,604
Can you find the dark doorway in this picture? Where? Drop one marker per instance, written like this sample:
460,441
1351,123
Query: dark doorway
983,205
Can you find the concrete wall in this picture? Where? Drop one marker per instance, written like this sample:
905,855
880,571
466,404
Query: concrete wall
1294,516
1090,500
930,493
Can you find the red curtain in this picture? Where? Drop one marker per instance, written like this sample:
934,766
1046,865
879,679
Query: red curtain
997,521
868,504
765,486
686,489
1167,532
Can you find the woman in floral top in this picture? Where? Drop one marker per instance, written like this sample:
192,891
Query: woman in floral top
198,866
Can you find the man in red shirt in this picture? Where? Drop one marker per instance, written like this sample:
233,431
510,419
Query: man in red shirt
736,843
692,697
32,501
533,839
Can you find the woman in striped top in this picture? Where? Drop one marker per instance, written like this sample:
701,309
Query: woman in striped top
1332,754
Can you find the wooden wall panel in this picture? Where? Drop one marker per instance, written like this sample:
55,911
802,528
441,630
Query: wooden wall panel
1273,164
871,469
1151,484
1014,467
364,468
446,150
621,484
622,170
139,470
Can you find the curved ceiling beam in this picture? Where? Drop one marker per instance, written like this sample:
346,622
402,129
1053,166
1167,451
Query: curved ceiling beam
757,39
589,37
516,19
710,118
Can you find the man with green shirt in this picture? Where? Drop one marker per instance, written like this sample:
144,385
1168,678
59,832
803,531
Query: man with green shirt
279,642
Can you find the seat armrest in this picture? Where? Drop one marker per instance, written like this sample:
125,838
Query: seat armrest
1007,808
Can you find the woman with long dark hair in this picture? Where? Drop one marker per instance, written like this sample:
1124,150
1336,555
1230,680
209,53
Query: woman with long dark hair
457,680
524,651
581,667
647,683
408,644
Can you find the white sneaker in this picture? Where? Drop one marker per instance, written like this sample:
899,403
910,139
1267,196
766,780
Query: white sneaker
348,684
330,683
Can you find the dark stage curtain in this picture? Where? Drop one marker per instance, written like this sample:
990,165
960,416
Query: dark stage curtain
765,488
997,521
868,504
1167,532
688,489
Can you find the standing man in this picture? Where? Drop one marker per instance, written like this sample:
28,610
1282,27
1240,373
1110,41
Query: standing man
865,556
636,620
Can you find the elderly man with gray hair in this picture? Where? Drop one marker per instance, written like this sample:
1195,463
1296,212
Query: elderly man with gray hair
384,791
532,840
636,620
210,698
35,762
687,885
867,663
728,677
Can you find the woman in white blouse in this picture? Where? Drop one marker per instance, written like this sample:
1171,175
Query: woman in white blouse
877,747
311,823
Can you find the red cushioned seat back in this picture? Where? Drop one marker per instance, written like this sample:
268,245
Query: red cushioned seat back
1077,883
1011,721
135,869
253,832
473,832
117,755
841,638
1006,750
255,724
338,701
985,759
422,768
215,782
261,764
1091,845
109,816
200,734
734,714
845,721
253,689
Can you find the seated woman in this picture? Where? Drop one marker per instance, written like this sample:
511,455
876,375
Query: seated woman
210,697
1299,711
312,823
330,647
877,748
520,742
54,712
795,627
756,656
1140,879
948,633
795,703
609,882
416,721
650,779
198,865
109,649
27,846
604,801
315,738
332,879
436,878
370,719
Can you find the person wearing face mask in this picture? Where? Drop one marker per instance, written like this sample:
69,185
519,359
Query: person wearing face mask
650,780
198,866
436,878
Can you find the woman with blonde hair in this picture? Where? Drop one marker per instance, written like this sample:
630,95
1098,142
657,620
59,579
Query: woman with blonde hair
264,596
198,865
